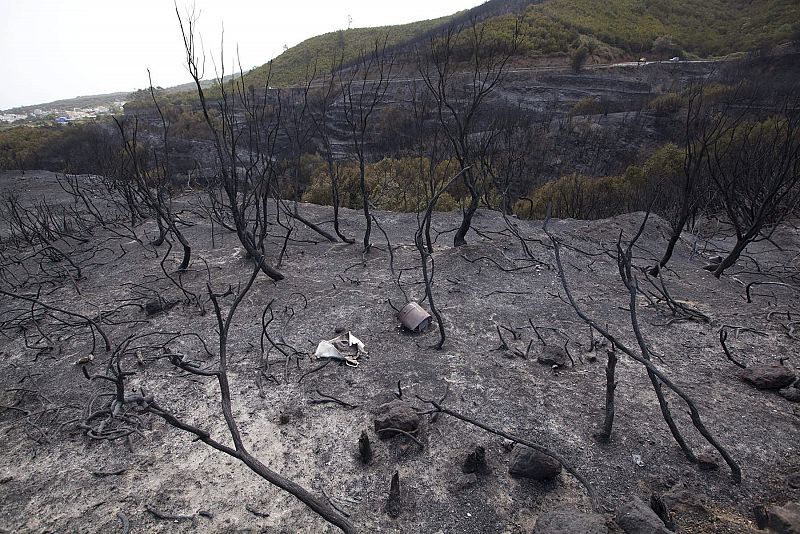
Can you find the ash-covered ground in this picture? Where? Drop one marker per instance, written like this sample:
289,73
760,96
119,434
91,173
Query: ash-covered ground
55,478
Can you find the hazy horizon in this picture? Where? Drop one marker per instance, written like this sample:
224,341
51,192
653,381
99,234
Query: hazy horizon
55,50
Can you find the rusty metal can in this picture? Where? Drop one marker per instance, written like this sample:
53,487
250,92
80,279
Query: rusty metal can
414,317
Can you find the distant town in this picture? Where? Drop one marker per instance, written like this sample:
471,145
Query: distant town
64,111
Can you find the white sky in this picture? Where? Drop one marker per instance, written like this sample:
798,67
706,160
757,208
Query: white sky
54,49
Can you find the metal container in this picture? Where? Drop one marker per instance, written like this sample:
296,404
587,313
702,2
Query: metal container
414,317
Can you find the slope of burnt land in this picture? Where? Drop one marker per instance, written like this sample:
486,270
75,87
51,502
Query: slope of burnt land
55,477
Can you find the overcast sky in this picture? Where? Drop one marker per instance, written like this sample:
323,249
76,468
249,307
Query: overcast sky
54,49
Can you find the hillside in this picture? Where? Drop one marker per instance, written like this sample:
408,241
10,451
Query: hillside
611,30
58,473
291,66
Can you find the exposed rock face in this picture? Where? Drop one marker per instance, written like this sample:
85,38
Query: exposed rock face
785,519
768,376
570,521
396,414
530,463
635,517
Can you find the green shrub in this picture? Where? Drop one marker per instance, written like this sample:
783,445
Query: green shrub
666,104
587,106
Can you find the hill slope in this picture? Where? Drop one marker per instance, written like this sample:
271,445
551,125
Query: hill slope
611,29
56,478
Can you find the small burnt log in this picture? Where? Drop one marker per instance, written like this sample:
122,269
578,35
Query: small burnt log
364,448
476,462
661,509
394,502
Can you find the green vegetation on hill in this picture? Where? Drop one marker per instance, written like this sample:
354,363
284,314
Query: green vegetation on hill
703,27
608,29
324,50
602,31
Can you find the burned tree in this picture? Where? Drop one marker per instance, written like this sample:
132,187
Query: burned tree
244,125
322,107
460,98
150,182
624,256
683,198
239,450
363,87
298,128
754,166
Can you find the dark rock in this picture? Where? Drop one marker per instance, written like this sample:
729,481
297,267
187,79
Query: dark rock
790,394
570,521
760,513
792,480
476,462
553,355
711,267
635,517
768,376
530,463
153,307
395,414
785,519
682,500
156,306
715,259
706,462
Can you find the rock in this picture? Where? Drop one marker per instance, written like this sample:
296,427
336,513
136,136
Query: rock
530,463
707,462
711,267
553,355
785,519
395,414
715,259
476,462
792,480
153,307
682,500
762,519
156,306
768,376
790,394
635,517
570,521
